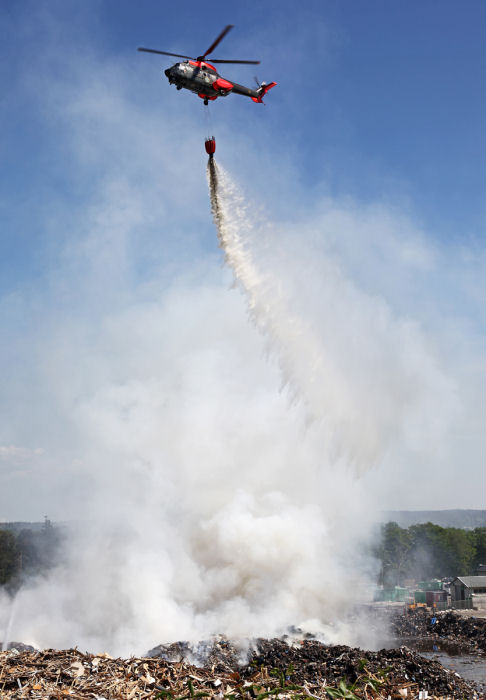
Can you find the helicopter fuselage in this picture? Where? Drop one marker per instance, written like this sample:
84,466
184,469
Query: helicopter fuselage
203,79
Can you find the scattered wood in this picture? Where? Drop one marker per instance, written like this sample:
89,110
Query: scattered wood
275,671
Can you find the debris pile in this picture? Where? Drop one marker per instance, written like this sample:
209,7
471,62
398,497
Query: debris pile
218,654
308,669
469,633
315,664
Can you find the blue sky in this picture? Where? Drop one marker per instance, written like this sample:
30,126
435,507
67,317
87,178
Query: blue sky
376,99
380,92
371,149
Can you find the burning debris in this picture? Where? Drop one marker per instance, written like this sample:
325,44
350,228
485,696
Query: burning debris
308,669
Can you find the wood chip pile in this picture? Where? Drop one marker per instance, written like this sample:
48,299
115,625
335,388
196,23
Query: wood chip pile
56,675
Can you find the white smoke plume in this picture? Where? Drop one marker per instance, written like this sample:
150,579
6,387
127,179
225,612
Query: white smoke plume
213,499
326,365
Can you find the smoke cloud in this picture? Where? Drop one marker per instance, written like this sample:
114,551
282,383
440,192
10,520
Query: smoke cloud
216,458
362,395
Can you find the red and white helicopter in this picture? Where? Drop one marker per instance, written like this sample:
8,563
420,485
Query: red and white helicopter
199,76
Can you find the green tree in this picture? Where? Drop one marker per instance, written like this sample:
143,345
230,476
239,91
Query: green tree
27,542
9,557
429,551
459,552
480,546
395,554
426,551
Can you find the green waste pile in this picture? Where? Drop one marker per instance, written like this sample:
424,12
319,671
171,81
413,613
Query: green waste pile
303,670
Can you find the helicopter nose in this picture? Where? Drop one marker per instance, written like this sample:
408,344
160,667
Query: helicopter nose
167,72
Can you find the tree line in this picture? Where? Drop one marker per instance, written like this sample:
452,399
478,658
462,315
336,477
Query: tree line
426,551
420,552
26,553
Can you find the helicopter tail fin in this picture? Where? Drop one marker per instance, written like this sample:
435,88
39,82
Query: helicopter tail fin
262,91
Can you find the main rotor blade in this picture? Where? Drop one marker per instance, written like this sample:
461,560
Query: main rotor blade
220,60
166,53
216,41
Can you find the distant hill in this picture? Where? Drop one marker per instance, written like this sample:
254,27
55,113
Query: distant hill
466,519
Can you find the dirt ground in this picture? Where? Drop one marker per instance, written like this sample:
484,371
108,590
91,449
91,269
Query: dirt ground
480,613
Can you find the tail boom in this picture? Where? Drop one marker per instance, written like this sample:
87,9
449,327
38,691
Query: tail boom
256,95
262,91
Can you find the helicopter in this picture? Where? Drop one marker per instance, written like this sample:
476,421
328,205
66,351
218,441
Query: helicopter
201,77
